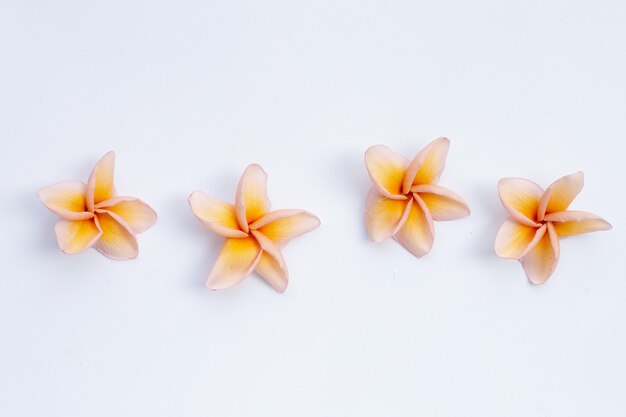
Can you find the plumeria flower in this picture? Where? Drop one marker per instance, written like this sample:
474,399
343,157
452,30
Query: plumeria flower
253,234
405,198
538,219
93,215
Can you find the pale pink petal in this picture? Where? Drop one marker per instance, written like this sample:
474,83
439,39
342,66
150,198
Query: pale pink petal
100,185
417,233
284,225
272,272
66,199
268,246
236,260
384,216
251,201
443,204
427,165
216,215
271,266
520,198
539,232
137,214
541,259
118,240
513,239
75,236
568,223
386,169
560,194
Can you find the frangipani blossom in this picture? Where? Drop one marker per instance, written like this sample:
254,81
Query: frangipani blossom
93,215
405,198
253,234
538,219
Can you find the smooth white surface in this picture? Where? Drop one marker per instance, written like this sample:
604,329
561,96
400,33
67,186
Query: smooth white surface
188,94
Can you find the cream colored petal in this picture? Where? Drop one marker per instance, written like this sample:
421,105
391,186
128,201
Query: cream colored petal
443,204
541,259
384,216
569,223
118,240
137,214
520,198
236,260
560,194
386,169
284,225
75,236
217,215
513,239
251,201
427,165
66,199
271,267
417,233
100,185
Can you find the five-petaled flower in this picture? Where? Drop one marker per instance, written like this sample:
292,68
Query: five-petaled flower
538,219
406,199
92,214
253,234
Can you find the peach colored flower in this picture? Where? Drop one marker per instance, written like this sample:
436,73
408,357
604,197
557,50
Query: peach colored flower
538,219
406,199
92,214
253,234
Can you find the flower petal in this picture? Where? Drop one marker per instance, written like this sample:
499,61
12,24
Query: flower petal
443,204
417,233
520,198
513,239
100,184
540,260
384,216
427,165
118,240
271,266
75,236
386,169
251,201
569,223
236,260
560,194
272,272
268,246
283,225
217,215
137,214
66,199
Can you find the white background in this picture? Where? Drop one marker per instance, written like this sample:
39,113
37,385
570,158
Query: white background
188,94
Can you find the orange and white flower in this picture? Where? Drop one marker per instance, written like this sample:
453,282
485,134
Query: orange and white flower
405,198
253,234
93,215
538,219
